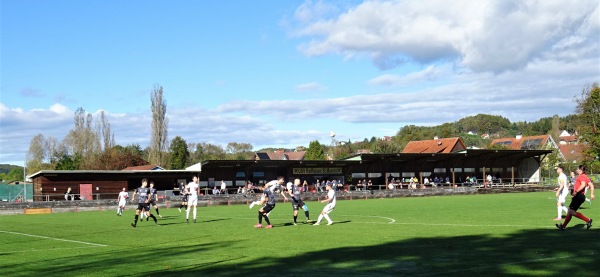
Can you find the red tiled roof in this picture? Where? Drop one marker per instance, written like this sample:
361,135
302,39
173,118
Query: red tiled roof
517,144
569,138
280,155
573,153
444,145
143,167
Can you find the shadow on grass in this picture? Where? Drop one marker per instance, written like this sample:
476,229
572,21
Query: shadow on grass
545,252
541,252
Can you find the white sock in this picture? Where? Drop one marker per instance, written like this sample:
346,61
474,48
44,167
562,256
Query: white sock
327,217
560,209
187,213
319,219
194,213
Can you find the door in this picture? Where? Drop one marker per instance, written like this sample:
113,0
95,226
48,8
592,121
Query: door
85,191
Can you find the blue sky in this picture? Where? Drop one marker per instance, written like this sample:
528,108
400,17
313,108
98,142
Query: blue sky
284,73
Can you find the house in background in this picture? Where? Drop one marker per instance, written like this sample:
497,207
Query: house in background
280,155
435,145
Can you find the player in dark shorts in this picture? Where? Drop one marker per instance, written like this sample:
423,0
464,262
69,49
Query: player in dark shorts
153,199
143,194
297,203
269,198
581,183
184,196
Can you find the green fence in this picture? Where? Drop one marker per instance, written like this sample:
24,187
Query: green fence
11,192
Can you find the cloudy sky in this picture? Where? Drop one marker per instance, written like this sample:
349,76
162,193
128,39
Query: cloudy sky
283,73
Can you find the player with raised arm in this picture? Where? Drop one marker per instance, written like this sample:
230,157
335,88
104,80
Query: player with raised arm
561,192
294,191
143,194
122,200
193,191
269,197
329,207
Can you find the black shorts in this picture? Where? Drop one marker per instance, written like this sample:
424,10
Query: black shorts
267,208
143,207
152,203
297,204
577,201
184,198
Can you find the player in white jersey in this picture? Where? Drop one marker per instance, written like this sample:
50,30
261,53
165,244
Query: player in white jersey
193,189
122,199
329,207
561,192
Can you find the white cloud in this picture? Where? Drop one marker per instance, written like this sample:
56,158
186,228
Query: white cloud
483,36
309,87
431,73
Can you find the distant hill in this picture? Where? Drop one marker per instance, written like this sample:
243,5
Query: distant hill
5,168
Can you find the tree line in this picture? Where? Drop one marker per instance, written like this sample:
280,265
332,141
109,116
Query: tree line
90,145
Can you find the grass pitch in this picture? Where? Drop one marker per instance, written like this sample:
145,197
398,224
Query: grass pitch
490,235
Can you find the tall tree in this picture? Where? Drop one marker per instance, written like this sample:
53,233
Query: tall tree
104,132
588,114
179,153
160,122
315,151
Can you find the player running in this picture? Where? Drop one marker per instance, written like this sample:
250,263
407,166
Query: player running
329,207
122,200
193,191
153,199
561,192
143,193
294,191
269,197
581,183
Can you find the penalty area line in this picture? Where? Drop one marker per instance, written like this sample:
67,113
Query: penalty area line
51,238
51,249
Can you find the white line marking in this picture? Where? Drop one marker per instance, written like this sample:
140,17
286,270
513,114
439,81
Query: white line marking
44,237
48,249
392,221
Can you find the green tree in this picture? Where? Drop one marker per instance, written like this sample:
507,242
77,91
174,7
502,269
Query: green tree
66,162
315,151
15,174
179,153
588,115
385,147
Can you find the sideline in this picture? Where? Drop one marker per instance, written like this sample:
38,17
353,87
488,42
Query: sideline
59,239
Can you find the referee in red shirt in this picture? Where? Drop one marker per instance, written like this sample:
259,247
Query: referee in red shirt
578,197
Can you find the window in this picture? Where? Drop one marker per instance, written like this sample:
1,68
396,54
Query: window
408,174
439,170
374,175
258,174
469,169
530,144
240,174
358,175
457,169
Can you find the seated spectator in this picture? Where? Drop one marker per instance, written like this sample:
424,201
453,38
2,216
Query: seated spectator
216,190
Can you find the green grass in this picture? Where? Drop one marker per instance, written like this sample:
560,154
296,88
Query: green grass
491,235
